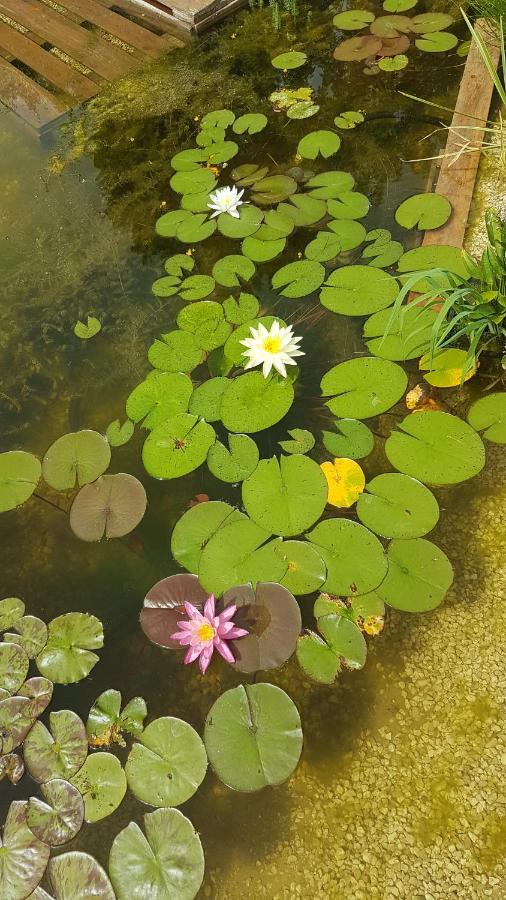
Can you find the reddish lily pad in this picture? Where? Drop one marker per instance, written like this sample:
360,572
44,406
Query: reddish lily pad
110,507
12,767
23,858
357,48
58,818
57,753
271,615
164,606
14,664
16,720
31,635
78,876
39,691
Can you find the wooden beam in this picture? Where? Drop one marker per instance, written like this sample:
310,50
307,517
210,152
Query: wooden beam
26,98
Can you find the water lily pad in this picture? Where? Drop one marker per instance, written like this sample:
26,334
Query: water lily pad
305,109
357,48
285,496
164,602
12,609
110,507
488,414
102,783
393,63
76,459
168,764
402,333
292,59
179,264
58,752
249,174
324,247
23,858
419,575
425,23
432,256
193,182
107,721
19,476
230,271
11,767
304,210
298,279
159,397
196,527
302,441
236,463
58,818
306,571
31,635
363,387
351,439
177,447
355,560
345,481
356,291
241,309
342,645
188,160
398,6
391,26
195,287
271,616
118,434
381,255
205,320
349,205
249,221
16,719
261,251
177,351
250,123
397,506
39,691
353,19
276,225
447,368
252,403
253,736
238,553
169,859
88,330
218,118
273,189
423,211
14,664
167,286
206,399
167,225
195,227
319,143
328,185
78,876
350,233
213,134
349,119
435,447
67,656
221,152
436,42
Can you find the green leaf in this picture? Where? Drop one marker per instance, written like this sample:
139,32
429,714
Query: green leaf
390,27
292,59
238,553
19,476
343,645
59,752
303,441
349,119
117,434
102,783
213,134
188,160
221,152
317,659
324,247
17,716
436,42
260,251
194,182
253,736
285,496
67,656
488,414
38,691
23,858
236,463
303,110
230,271
423,211
353,19
177,351
196,203
14,663
248,174
397,506
306,571
349,205
85,332
433,256
58,818
205,320
178,264
252,403
249,221
350,233
241,309
363,387
271,616
195,227
159,397
273,189
304,209
31,635
393,63
76,459
419,575
351,439
177,447
168,224
206,400
168,764
106,721
329,185
195,528
383,253
398,6
78,876
435,447
425,23
355,560
168,862
196,287
403,333
298,279
218,118
12,609
110,507
251,123
358,291
319,143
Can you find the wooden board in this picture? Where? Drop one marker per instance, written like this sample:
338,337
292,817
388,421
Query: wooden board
29,100
119,26
196,14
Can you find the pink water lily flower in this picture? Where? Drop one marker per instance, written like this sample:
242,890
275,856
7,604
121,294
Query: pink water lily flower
202,633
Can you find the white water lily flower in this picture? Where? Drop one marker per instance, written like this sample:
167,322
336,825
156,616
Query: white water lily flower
276,347
226,200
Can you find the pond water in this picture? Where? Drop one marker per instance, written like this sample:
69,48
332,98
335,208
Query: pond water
398,792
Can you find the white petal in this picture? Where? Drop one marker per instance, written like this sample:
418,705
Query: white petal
234,213
267,366
279,366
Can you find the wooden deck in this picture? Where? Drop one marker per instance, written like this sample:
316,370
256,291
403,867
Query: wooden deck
55,54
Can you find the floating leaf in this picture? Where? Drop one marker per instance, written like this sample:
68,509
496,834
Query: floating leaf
402,333
193,530
398,6
350,233
304,210
391,26
168,224
39,691
167,286
329,185
241,309
76,459
205,320
324,247
363,387
252,403
419,575
206,399
14,664
383,254
355,560
195,203
159,397
393,63
58,818
253,736
195,227
31,635
298,279
238,553
118,434
249,221
306,571
110,507
261,251
251,123
188,160
353,19
107,722
432,21
488,414
349,119
193,182
433,256
285,496
273,189
303,110
423,211
218,118
342,645
435,447
447,368
248,174
213,134
164,603
351,439
230,271
271,616
168,764
178,264
19,476
397,506
319,143
169,859
177,447
77,876
85,332
302,441
357,48
236,463
12,767
345,481
23,858
292,59
349,205
356,291
58,753
221,152
102,783
16,719
67,656
12,609
177,351
196,287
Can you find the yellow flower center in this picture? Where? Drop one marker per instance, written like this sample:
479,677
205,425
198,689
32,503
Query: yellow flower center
272,344
206,632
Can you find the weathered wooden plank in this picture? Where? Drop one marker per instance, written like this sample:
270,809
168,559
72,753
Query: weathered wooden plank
51,68
196,14
84,46
140,38
26,98
151,16
456,179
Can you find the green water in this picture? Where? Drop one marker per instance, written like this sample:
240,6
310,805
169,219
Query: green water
77,237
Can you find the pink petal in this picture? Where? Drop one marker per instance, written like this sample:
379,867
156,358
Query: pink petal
205,658
223,650
191,655
236,633
209,607
182,637
191,610
228,612
185,625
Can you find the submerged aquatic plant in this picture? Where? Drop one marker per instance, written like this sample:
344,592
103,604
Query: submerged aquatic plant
226,200
204,632
275,347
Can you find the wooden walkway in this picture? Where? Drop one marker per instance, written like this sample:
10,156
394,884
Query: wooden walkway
55,54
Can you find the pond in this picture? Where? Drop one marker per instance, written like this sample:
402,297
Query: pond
396,793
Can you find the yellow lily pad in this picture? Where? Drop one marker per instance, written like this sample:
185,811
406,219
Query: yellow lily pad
448,368
345,480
